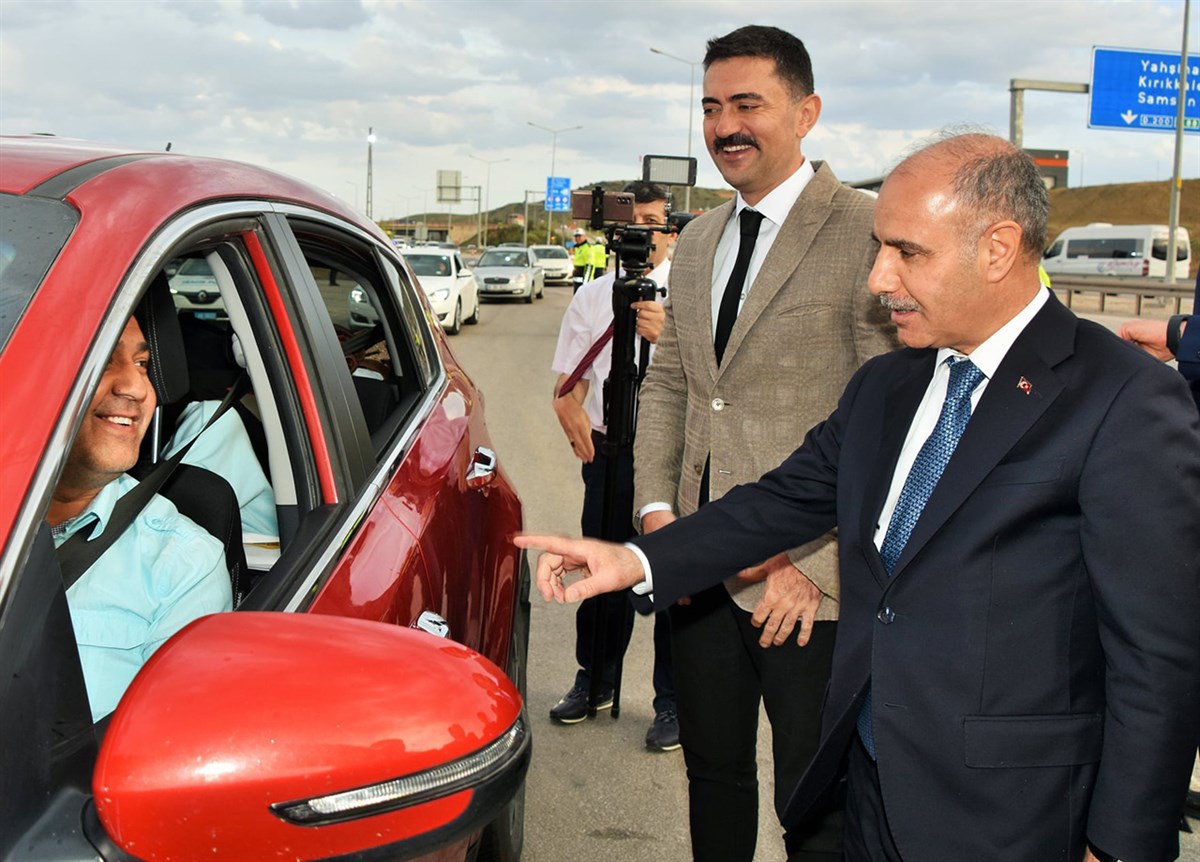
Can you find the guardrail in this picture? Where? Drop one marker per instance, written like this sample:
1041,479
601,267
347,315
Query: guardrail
1113,285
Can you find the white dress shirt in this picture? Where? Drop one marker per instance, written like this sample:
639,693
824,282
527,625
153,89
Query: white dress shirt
586,318
774,208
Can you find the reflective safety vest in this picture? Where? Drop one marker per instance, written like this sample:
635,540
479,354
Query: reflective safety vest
599,257
583,253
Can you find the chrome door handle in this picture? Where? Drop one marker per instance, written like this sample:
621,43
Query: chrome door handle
483,468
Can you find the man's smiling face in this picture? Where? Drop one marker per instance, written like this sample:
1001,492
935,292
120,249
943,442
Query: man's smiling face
118,416
753,124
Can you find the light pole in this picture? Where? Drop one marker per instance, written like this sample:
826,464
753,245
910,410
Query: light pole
370,172
487,185
687,195
424,211
553,151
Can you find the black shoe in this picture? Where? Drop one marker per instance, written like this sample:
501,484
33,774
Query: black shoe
573,708
663,735
1192,806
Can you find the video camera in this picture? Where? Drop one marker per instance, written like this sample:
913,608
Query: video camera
612,212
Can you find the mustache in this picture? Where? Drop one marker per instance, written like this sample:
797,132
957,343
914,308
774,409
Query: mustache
735,140
893,304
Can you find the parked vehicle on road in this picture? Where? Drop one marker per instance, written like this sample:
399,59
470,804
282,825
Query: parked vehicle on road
555,261
1107,249
314,720
450,286
506,272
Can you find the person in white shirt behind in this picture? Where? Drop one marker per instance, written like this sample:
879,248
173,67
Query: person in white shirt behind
580,411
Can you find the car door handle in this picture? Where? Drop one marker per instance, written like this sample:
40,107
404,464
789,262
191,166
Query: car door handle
483,468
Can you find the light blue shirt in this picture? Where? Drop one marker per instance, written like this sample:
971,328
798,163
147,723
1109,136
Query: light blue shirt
162,573
225,449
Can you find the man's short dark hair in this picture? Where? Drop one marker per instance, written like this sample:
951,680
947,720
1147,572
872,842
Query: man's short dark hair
792,63
645,192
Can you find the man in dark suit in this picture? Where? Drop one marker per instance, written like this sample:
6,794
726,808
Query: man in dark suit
1017,676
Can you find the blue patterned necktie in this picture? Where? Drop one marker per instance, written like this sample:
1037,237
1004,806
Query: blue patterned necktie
922,479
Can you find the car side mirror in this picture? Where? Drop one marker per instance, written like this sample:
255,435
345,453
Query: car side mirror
250,733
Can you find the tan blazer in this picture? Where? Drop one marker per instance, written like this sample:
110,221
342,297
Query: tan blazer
807,324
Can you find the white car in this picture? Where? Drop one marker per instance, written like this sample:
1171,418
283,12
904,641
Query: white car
450,286
556,262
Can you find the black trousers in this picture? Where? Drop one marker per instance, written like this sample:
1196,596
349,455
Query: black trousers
721,674
868,836
615,608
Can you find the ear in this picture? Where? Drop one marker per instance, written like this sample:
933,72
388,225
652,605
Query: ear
1000,250
807,114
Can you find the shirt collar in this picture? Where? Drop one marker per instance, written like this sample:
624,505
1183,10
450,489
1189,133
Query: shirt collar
99,510
780,200
988,355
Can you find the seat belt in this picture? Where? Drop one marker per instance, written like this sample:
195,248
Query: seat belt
77,554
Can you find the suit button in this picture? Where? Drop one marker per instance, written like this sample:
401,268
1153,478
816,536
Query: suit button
718,404
886,616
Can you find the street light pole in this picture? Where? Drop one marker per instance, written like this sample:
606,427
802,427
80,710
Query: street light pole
370,172
554,133
487,211
687,195
424,211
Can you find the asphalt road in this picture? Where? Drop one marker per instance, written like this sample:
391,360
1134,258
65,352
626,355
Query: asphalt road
594,792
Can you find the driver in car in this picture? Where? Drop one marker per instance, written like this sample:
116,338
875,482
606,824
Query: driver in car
163,572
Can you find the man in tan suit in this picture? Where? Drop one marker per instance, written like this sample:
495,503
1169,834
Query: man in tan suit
768,318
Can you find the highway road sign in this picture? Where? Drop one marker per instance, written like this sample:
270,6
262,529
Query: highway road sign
1139,90
558,194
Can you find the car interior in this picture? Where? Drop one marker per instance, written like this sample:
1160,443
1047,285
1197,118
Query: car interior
389,362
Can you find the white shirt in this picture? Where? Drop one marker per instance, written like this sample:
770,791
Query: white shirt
775,208
584,321
987,358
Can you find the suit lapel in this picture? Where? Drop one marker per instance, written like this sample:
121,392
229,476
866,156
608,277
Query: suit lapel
697,270
1024,386
899,406
796,235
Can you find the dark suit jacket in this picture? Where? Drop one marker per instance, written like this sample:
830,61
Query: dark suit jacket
1035,657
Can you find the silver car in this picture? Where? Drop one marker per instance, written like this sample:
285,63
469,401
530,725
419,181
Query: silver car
503,272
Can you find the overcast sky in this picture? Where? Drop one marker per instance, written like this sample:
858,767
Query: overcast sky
295,84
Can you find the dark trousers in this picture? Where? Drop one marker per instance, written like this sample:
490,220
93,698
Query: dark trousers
616,608
721,674
868,836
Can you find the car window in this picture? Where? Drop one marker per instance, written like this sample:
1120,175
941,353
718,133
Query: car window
500,257
380,325
32,232
429,264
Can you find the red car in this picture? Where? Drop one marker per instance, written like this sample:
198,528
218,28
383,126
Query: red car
315,721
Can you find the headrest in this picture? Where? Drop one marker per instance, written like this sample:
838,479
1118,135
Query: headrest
159,321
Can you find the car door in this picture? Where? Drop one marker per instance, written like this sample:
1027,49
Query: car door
432,469
466,286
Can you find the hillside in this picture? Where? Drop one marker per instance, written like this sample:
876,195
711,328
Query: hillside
1126,203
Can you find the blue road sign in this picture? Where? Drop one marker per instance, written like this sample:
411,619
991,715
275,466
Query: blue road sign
558,194
1139,90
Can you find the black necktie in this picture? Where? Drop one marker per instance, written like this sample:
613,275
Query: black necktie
748,221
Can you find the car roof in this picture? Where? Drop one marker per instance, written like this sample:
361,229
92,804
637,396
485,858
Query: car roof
426,250
66,168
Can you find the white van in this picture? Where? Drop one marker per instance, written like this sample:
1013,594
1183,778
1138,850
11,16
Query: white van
1123,249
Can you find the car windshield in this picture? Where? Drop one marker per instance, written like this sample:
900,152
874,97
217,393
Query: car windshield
552,252
429,264
32,232
196,266
497,257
